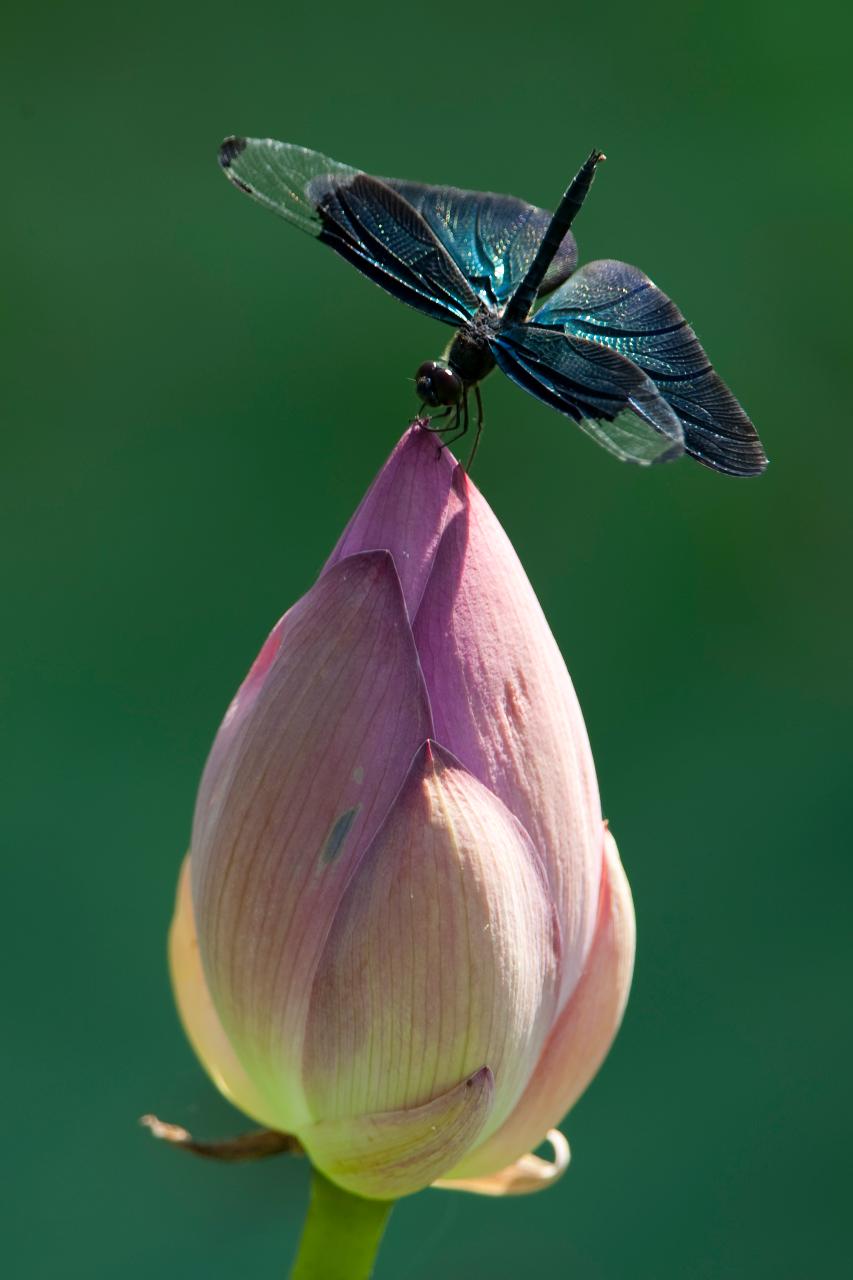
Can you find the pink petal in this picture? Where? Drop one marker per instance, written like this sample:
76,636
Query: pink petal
303,772
504,704
440,959
394,1153
581,1036
405,511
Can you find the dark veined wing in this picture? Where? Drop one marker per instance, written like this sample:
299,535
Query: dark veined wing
360,217
606,394
492,238
619,307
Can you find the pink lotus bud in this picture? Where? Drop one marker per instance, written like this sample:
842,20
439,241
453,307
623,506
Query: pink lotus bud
409,939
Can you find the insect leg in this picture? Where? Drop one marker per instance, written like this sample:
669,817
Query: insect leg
427,425
461,412
480,420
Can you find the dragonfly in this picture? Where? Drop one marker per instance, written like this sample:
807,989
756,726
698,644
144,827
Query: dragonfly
600,343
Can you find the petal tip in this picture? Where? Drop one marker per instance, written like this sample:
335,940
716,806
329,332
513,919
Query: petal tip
431,760
419,440
379,559
483,1079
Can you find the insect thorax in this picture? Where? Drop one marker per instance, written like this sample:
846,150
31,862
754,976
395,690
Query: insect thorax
469,354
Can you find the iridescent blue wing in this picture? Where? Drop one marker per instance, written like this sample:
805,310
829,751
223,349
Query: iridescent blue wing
606,394
492,239
618,307
360,217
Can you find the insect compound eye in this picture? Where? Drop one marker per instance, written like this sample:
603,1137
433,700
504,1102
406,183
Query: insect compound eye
436,384
424,387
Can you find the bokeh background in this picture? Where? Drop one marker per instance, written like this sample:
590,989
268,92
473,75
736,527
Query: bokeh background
194,398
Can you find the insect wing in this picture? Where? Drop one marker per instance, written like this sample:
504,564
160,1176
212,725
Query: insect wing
381,234
618,307
606,394
278,174
360,217
492,238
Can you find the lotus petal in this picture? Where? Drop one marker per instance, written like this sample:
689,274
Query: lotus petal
198,1014
405,511
581,1036
441,958
504,704
393,1153
296,788
528,1173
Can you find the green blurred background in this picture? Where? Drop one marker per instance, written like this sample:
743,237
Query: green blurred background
194,399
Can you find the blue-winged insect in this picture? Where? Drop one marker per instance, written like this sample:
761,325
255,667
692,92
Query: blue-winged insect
606,347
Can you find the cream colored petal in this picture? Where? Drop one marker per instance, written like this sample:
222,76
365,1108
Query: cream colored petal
441,957
198,1016
529,1173
389,1154
580,1038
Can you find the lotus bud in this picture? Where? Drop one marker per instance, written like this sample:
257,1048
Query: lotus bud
403,933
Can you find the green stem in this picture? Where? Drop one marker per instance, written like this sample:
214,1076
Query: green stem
341,1235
